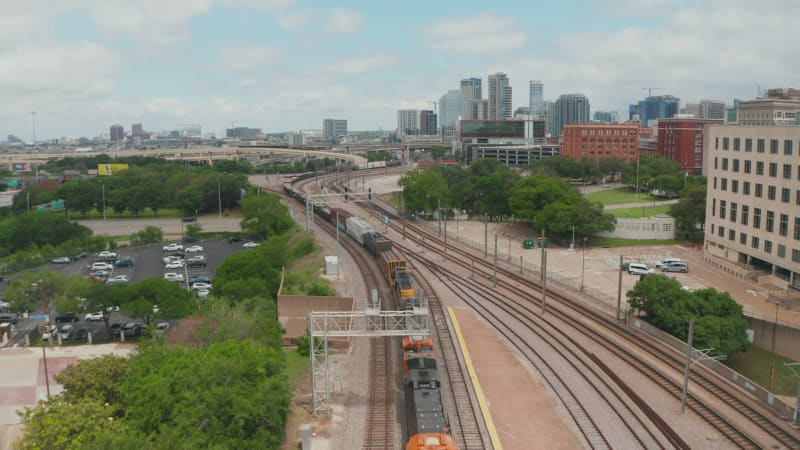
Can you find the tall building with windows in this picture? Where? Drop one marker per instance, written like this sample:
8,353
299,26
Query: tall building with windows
606,116
710,109
658,107
116,133
753,203
768,111
681,140
334,129
536,99
427,122
499,96
568,109
472,92
451,107
601,141
407,122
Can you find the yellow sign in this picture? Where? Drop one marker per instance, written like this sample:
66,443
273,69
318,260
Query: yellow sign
109,169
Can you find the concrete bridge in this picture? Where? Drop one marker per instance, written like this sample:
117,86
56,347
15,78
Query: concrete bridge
209,154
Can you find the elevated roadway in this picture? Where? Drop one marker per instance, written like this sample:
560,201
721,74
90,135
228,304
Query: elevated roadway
209,154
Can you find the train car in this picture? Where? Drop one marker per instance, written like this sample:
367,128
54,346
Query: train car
426,420
414,346
324,212
357,228
340,215
404,289
389,261
376,243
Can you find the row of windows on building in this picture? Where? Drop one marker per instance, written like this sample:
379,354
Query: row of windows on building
593,132
736,165
755,242
772,191
732,215
767,115
774,145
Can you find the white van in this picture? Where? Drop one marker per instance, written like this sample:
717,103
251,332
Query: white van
639,269
666,262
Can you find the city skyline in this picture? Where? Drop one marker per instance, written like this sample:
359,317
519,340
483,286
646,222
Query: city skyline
285,65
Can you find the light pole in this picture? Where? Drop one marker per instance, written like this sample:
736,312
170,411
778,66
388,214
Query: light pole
219,197
774,331
583,261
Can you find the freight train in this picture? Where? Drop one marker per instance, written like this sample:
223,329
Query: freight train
393,266
427,425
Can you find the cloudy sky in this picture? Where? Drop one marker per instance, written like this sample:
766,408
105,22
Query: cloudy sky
279,65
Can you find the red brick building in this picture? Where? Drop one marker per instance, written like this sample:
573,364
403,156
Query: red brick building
681,140
601,141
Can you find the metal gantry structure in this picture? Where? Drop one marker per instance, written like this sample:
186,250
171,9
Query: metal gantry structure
372,322
318,199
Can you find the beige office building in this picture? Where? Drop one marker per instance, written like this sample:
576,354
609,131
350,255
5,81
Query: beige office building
768,111
753,202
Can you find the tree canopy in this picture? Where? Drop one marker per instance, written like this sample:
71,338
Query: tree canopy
719,322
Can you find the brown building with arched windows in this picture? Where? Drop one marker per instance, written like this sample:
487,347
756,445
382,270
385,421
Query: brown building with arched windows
601,141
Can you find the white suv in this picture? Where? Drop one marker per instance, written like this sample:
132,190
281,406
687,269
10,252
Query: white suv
639,269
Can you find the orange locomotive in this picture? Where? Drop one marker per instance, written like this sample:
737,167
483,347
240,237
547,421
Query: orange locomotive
428,428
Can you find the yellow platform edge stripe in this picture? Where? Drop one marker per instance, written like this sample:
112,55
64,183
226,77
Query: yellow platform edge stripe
487,416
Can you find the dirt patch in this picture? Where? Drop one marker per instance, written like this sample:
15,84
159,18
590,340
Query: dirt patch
299,414
185,332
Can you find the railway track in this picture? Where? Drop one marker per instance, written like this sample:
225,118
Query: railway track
465,423
715,418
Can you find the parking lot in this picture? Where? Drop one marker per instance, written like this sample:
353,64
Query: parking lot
148,262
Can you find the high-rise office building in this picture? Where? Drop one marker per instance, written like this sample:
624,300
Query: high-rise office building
241,133
658,107
472,92
451,107
752,216
710,109
427,122
334,129
137,130
606,116
116,133
407,122
499,96
536,101
568,109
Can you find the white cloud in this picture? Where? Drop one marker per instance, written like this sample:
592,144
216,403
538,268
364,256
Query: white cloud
243,57
484,33
294,20
266,6
357,64
344,21
154,21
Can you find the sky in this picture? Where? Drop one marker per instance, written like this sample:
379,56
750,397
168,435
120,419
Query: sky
281,65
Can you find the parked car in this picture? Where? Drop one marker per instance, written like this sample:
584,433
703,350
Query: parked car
62,260
666,261
9,318
626,265
201,286
197,261
162,327
68,317
194,249
189,219
91,317
125,262
132,329
676,267
202,294
102,266
189,239
83,333
173,276
233,239
78,256
106,256
174,265
172,247
116,327
66,332
250,244
639,269
199,278
171,258
118,279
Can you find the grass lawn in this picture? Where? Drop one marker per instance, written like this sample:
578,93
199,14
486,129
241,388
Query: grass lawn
635,213
756,364
620,242
620,196
147,213
297,365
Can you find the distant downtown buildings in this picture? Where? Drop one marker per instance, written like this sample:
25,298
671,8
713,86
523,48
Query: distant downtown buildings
334,129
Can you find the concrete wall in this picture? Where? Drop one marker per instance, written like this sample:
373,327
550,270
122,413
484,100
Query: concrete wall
293,313
656,227
786,338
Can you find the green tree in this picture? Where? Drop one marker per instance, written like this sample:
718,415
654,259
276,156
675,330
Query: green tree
61,425
80,196
424,190
437,152
173,301
264,216
35,289
97,379
532,194
189,199
690,213
234,394
151,234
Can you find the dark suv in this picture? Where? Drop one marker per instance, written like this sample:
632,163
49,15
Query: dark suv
9,317
132,329
116,327
68,317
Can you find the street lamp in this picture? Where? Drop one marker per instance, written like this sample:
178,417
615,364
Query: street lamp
583,261
774,330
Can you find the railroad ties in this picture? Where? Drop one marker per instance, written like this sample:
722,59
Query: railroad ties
379,429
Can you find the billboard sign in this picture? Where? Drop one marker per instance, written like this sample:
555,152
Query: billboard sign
109,169
20,167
